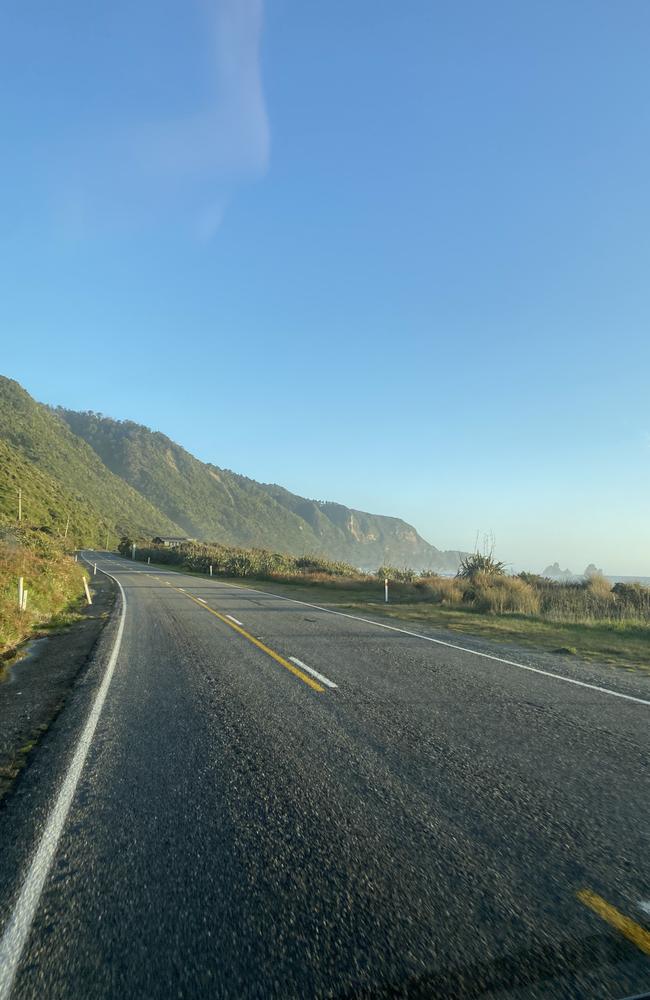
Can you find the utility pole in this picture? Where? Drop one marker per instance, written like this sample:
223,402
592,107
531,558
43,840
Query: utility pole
107,539
20,505
67,525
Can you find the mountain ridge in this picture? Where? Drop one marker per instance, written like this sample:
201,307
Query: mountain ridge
94,475
215,504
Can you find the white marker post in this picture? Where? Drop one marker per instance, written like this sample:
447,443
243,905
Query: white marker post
20,593
95,570
24,607
88,597
133,551
148,560
210,569
386,590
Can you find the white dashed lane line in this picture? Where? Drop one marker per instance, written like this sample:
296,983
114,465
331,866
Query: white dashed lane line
310,670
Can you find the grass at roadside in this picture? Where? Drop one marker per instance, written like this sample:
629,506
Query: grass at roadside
53,580
621,644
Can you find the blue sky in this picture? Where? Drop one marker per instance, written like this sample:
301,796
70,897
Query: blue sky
390,254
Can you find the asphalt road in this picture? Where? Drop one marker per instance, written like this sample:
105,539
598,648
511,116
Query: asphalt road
208,818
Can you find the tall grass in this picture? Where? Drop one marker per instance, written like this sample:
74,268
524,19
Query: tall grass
502,595
591,600
440,590
480,585
52,578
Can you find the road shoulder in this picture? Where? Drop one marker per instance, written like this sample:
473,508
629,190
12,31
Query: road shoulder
37,683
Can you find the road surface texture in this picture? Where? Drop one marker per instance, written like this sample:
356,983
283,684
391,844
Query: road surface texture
210,817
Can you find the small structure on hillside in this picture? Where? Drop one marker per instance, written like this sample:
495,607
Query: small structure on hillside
171,541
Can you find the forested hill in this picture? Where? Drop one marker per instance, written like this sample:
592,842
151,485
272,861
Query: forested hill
63,481
215,504
91,475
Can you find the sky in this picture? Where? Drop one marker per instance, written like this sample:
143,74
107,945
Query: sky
391,254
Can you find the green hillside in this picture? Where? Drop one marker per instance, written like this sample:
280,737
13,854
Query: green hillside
217,505
60,474
92,474
208,503
45,502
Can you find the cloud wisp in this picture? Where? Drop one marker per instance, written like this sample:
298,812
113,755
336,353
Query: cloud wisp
185,167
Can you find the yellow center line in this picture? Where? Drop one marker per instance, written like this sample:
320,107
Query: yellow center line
628,927
314,685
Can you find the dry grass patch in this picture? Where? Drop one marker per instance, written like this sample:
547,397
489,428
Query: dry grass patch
53,581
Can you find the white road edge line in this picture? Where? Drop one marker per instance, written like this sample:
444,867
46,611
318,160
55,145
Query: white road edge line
18,928
235,620
441,642
314,673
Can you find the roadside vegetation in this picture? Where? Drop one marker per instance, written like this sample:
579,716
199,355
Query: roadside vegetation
54,583
589,618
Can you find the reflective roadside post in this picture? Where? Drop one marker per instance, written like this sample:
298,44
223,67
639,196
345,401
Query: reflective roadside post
386,590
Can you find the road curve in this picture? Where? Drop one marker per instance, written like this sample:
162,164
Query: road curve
276,801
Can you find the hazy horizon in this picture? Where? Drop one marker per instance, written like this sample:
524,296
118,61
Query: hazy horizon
390,257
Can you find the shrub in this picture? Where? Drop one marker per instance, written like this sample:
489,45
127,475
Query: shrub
480,563
534,579
396,575
598,585
441,590
633,597
503,594
125,546
51,577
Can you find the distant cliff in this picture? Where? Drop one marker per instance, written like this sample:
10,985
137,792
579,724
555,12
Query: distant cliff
92,478
214,504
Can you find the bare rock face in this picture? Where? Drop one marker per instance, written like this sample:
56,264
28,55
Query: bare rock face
554,572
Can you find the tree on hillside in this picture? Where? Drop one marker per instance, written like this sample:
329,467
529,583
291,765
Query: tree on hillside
125,546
